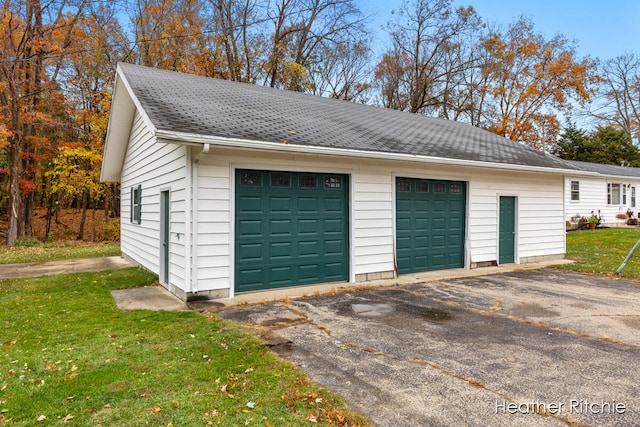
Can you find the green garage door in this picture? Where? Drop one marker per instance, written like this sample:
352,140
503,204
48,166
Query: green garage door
290,229
430,218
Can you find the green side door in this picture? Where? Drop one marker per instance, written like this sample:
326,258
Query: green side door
507,230
430,224
291,228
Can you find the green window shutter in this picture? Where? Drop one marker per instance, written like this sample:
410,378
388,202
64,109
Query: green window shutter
139,213
132,204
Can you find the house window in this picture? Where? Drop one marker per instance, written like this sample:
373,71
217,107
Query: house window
455,188
575,190
439,187
613,194
136,204
633,197
624,194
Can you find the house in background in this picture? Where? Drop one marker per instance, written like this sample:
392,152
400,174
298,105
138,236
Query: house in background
613,191
230,187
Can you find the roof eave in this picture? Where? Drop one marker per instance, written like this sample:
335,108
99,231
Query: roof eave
197,139
121,114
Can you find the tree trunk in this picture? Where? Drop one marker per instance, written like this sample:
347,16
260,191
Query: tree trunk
15,196
85,202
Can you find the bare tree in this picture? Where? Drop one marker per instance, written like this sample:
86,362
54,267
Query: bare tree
302,32
620,94
428,56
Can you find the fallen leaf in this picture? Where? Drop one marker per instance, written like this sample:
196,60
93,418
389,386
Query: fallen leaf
251,405
67,418
155,410
312,418
41,418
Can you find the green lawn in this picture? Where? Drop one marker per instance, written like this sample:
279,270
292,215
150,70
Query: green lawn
70,355
601,251
35,251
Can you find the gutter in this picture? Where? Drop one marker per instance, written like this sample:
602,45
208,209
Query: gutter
195,217
195,139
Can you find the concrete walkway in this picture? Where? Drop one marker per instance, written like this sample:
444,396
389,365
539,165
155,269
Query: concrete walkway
50,268
139,298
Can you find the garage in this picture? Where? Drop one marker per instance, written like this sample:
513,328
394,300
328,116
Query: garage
291,228
430,224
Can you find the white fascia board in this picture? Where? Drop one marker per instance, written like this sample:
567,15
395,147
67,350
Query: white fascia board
195,139
122,111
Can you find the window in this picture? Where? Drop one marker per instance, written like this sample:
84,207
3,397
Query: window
307,181
613,194
633,197
280,179
332,182
251,178
422,186
455,188
136,204
403,185
439,187
624,194
575,190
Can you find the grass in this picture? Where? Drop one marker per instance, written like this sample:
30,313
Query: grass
36,251
69,355
601,251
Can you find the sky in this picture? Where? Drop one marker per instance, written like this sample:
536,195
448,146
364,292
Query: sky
601,28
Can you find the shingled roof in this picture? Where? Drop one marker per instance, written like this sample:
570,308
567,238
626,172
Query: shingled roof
200,106
610,170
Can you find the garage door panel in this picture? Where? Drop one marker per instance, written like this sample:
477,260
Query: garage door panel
308,249
281,275
280,250
308,205
333,205
252,251
422,205
280,205
308,227
309,273
251,277
333,271
421,224
301,221
250,228
403,208
280,227
334,247
250,204
430,217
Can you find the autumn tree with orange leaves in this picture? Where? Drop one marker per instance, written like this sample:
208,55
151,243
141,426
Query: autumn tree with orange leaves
530,80
516,83
33,36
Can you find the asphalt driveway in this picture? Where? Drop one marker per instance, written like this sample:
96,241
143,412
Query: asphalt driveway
535,348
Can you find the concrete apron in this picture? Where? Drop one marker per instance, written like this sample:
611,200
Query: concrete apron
297,292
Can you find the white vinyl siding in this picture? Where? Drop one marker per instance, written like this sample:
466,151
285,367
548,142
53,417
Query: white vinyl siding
153,166
598,194
372,209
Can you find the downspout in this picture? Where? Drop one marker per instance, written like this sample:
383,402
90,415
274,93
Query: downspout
195,217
